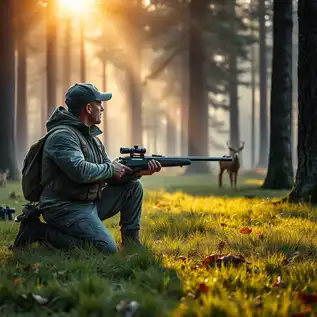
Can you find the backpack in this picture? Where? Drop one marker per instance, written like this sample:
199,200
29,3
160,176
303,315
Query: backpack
32,165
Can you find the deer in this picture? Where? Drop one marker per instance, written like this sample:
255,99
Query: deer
232,167
3,178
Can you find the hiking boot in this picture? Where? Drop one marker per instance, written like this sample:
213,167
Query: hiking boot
130,237
31,230
29,211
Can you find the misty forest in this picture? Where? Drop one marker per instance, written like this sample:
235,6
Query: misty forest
188,78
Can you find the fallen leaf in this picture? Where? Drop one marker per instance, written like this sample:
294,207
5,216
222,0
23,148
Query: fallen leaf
196,267
210,260
17,281
235,260
245,230
181,257
39,299
307,298
278,283
201,288
303,313
157,206
224,259
260,236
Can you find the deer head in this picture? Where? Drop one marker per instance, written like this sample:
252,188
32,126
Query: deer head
235,151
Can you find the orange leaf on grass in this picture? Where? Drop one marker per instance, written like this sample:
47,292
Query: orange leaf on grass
304,313
201,288
196,267
210,260
17,281
307,298
245,230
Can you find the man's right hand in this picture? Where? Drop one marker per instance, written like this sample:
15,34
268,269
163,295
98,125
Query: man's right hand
119,170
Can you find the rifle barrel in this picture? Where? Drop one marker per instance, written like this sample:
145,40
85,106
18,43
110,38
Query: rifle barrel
198,158
210,158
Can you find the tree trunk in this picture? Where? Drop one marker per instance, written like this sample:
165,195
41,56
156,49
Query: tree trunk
280,169
104,88
135,106
67,55
263,158
22,105
51,64
171,131
183,76
198,106
253,85
82,55
233,82
295,88
7,83
305,189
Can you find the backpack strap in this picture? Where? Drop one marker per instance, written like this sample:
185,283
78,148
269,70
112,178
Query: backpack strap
82,140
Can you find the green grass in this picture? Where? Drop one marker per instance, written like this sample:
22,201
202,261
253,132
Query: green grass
183,222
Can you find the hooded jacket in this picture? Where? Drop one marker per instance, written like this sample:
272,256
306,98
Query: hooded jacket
75,167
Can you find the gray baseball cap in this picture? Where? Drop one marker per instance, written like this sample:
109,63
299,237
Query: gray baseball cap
81,94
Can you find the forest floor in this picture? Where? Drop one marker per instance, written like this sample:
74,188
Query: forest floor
209,252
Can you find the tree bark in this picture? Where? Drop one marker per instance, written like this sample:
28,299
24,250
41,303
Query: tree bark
183,77
105,112
253,85
82,55
22,104
198,105
67,54
233,82
305,188
263,158
8,159
135,103
51,63
280,169
171,131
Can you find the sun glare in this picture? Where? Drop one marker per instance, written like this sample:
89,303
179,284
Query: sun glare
147,2
74,6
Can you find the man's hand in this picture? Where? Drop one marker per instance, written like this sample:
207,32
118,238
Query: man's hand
119,170
153,167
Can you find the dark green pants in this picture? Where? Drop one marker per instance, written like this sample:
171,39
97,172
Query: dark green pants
89,228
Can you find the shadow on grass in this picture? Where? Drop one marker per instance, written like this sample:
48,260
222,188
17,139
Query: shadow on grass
245,191
86,282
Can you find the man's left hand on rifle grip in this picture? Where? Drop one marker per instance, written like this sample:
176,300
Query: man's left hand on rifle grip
153,167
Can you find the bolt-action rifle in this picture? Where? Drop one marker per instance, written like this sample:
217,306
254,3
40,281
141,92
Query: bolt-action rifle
137,160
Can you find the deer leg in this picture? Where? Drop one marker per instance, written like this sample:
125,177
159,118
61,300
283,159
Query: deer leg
235,179
231,179
220,177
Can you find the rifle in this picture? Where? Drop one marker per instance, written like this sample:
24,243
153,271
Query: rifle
137,160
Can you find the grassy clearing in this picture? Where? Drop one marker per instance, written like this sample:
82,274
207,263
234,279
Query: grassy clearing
183,222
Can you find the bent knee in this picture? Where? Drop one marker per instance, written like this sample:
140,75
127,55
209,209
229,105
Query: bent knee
137,186
106,247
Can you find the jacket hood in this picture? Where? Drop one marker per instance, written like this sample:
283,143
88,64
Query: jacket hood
61,116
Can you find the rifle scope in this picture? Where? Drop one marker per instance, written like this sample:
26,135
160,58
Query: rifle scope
133,150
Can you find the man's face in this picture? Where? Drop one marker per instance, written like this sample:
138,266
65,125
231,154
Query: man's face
94,111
